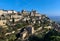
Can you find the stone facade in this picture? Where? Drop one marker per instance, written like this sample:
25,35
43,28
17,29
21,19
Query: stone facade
2,11
26,31
2,22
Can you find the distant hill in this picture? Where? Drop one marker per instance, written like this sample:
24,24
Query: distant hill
55,18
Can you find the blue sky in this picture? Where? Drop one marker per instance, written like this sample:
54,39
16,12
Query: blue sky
48,7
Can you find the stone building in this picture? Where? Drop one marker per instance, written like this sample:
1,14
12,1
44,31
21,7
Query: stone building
2,11
26,32
2,22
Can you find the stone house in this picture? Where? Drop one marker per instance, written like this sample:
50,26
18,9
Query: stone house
3,12
26,32
2,22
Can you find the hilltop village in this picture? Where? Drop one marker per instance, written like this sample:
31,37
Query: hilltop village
16,26
11,17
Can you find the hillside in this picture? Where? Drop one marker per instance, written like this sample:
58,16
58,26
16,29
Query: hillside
26,26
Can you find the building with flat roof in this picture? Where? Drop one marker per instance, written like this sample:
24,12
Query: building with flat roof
2,11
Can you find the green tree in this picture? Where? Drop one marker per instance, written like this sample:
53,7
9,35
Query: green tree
52,35
13,20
